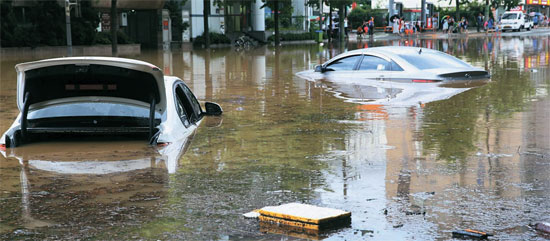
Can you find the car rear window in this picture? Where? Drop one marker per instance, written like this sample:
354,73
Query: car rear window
433,60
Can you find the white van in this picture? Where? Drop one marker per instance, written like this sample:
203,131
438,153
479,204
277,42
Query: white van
515,20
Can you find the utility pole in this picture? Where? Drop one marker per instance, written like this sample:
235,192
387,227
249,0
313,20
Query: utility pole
68,27
114,29
206,13
320,15
423,14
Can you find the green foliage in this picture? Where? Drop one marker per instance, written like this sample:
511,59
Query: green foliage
83,28
362,13
296,36
44,24
178,26
285,12
105,38
215,38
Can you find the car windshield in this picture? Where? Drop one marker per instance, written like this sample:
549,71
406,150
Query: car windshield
510,16
433,60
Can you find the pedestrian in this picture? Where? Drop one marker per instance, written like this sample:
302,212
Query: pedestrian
346,26
490,24
371,26
395,26
401,26
446,25
365,27
479,21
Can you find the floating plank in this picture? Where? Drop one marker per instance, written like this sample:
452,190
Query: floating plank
470,234
304,216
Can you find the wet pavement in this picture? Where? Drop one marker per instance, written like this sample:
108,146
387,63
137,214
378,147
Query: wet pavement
408,169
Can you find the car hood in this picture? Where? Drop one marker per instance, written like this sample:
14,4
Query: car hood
104,78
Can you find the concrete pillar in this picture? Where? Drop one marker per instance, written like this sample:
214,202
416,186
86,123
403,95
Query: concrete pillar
423,13
258,16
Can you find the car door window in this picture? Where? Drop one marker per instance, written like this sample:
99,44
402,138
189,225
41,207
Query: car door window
182,106
370,62
346,63
195,106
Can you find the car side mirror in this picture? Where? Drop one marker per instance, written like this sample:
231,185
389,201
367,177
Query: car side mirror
212,109
319,68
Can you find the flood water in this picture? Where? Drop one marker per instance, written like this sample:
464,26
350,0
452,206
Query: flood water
476,158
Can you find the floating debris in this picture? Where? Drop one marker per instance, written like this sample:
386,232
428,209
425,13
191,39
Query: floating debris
253,214
470,234
543,227
304,216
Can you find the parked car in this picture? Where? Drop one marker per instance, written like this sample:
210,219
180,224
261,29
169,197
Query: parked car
515,20
105,96
398,64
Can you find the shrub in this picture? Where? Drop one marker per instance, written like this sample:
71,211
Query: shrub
296,36
215,38
105,38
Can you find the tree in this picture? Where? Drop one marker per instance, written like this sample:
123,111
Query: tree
178,26
277,6
341,5
507,4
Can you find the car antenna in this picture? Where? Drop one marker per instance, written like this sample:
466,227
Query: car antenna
420,51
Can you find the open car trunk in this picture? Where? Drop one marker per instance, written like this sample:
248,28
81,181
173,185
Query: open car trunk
88,96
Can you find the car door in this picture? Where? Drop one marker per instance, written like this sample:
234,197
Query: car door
375,67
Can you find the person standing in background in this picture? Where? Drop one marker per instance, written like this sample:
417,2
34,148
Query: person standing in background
396,25
346,26
479,20
371,26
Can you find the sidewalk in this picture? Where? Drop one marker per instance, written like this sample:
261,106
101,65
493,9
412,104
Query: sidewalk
439,34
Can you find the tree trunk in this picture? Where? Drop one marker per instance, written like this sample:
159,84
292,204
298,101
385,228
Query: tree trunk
329,22
206,13
457,10
276,9
341,29
114,29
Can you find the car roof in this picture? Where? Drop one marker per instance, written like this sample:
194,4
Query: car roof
392,50
131,64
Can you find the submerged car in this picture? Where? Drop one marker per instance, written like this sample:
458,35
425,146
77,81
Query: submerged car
400,64
102,96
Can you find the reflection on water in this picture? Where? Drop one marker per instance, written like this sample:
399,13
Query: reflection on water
477,158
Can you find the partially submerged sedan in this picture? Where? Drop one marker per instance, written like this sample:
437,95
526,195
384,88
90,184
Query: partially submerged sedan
105,96
400,64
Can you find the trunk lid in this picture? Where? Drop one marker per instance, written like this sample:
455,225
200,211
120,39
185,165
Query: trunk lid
459,73
106,79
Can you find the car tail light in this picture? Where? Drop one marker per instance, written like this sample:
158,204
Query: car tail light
423,81
163,144
3,147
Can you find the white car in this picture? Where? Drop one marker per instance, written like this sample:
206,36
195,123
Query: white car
515,20
105,96
398,64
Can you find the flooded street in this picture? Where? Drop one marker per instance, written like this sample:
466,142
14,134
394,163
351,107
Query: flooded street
414,168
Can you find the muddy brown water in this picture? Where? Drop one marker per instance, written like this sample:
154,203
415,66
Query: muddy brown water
477,158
